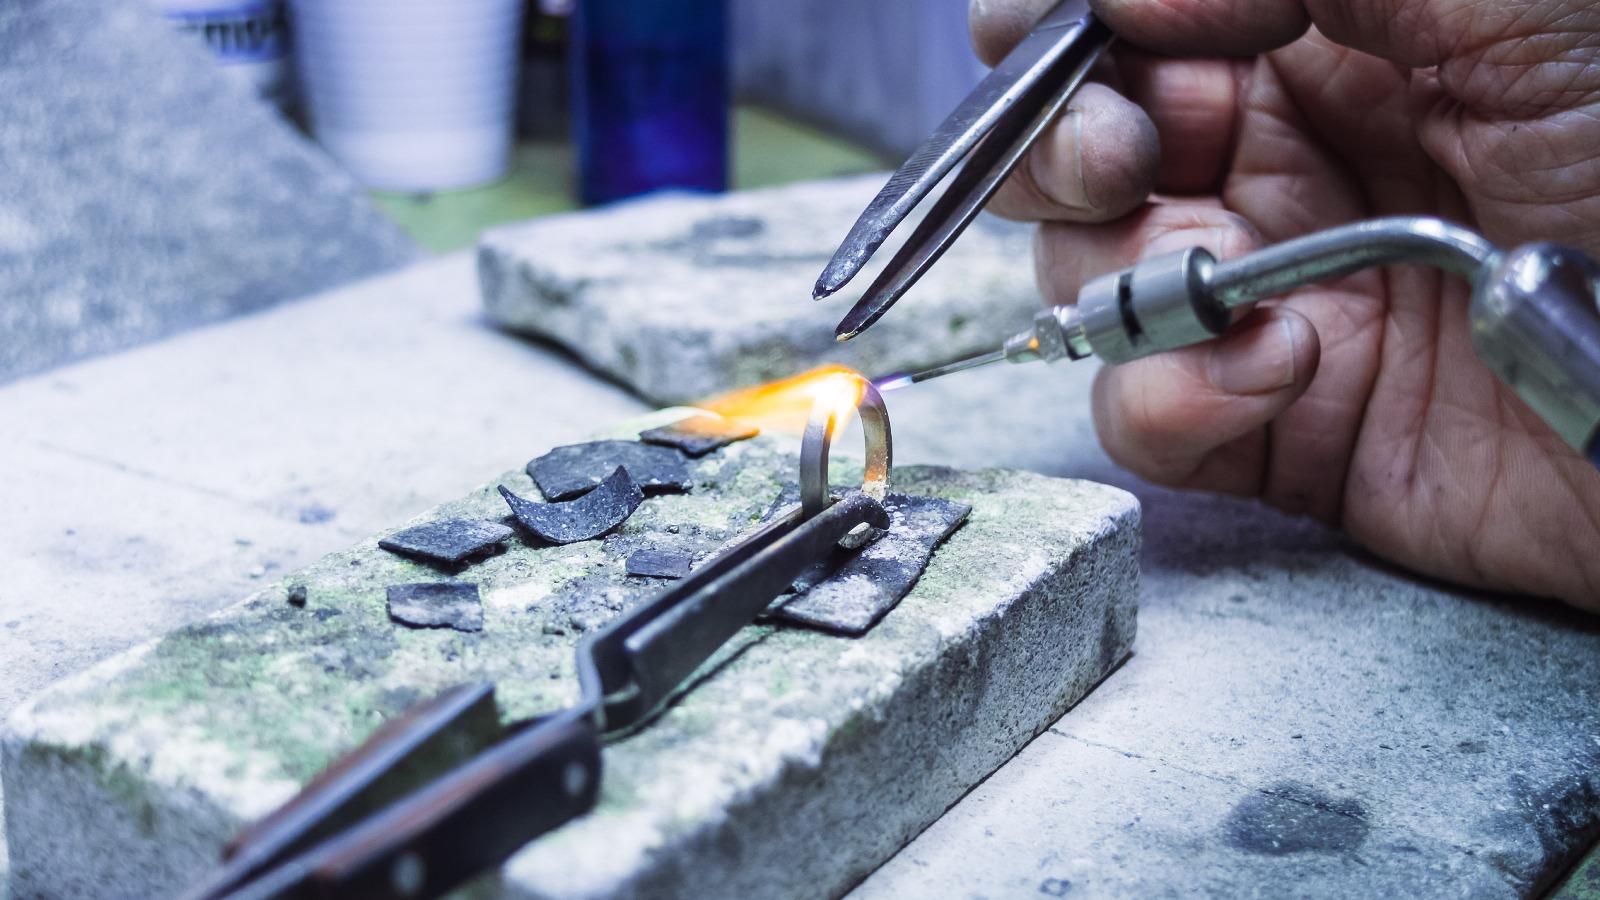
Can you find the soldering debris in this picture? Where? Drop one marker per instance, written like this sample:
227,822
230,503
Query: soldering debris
605,507
700,434
575,469
659,564
444,604
449,543
850,592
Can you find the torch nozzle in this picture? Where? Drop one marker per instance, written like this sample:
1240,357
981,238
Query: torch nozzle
1051,337
960,365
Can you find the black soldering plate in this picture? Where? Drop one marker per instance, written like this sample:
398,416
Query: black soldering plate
444,604
850,593
659,564
605,507
699,435
575,469
448,542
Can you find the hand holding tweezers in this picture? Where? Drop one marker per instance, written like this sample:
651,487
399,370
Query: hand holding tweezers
992,128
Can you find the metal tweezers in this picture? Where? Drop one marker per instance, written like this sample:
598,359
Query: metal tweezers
992,128
445,792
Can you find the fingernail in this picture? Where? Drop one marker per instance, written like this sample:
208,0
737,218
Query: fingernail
1071,189
1077,184
1258,362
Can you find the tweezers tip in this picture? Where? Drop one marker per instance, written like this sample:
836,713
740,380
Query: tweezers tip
844,265
852,325
834,277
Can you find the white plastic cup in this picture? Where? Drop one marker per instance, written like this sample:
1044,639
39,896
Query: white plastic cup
411,95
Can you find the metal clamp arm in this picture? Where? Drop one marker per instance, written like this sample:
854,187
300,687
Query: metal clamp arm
444,792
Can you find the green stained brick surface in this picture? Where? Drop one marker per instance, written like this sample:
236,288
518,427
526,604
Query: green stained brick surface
1584,882
789,740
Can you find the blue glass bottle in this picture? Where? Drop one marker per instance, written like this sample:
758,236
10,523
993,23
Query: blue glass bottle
650,96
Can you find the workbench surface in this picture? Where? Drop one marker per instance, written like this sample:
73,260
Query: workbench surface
1297,717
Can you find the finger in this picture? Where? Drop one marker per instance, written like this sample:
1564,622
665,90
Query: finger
1196,107
1195,417
1419,34
1097,162
1513,34
1066,254
1205,27
997,25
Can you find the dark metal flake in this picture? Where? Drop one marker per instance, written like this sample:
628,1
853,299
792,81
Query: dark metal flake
444,604
605,507
575,469
448,542
699,435
856,589
659,564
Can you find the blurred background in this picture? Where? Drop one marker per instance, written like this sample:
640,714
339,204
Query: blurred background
461,114
170,163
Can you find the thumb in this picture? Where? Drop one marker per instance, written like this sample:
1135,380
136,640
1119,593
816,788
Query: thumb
1195,417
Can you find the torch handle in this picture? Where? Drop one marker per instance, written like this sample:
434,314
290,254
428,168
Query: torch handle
1535,313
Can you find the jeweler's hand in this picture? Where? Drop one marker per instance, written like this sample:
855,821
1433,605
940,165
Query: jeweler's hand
1360,403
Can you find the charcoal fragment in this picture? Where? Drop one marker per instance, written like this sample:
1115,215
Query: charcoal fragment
575,469
659,564
448,542
700,434
589,516
444,604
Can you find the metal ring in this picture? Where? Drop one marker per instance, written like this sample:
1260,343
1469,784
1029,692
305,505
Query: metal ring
832,408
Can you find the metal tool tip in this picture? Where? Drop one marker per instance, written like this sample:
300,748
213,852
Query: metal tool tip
959,365
866,312
894,382
845,264
835,275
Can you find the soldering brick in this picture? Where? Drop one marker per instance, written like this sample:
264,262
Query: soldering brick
798,763
682,297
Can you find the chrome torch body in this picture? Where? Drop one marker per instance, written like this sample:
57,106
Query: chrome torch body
1535,310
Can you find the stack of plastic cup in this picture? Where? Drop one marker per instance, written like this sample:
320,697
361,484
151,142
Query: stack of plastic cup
248,39
411,95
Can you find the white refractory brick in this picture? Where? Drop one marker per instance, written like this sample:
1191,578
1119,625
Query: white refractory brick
798,763
681,297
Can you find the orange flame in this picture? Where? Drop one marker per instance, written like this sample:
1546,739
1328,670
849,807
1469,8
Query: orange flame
785,405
